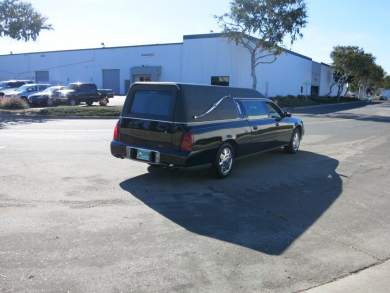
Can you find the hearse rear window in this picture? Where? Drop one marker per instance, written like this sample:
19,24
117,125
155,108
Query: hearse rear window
152,104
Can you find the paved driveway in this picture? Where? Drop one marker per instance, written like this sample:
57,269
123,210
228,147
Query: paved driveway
74,219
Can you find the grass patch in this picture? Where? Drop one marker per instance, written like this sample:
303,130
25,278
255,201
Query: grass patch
13,104
298,101
81,111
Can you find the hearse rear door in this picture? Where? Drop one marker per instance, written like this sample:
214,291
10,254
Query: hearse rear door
147,120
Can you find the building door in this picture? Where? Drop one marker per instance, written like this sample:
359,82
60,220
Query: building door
145,73
41,76
315,90
142,77
111,80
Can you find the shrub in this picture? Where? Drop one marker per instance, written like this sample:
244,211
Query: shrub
296,101
293,101
13,103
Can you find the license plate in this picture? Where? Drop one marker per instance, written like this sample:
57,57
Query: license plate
143,155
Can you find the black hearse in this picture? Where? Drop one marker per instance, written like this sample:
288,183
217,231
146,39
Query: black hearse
182,125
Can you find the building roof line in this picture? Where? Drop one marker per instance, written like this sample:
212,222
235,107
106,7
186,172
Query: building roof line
221,35
185,37
92,49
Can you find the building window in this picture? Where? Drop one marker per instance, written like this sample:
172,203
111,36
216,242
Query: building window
220,80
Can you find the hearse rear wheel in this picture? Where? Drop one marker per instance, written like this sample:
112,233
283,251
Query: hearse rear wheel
224,159
295,142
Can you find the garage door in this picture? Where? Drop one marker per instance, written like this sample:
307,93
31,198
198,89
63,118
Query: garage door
42,76
111,80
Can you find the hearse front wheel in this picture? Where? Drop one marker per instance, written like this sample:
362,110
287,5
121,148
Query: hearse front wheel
224,159
295,142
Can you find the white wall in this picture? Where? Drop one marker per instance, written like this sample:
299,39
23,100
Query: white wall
87,65
326,81
203,58
195,61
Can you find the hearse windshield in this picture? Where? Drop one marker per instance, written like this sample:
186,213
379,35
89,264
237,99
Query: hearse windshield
152,104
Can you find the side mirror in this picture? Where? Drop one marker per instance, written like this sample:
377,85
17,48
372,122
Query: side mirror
287,114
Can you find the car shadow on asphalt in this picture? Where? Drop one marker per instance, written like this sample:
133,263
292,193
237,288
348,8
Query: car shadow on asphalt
266,204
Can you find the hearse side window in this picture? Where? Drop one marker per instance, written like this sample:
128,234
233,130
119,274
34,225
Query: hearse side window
254,109
220,80
274,111
152,104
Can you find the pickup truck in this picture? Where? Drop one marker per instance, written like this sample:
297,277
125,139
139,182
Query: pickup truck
76,93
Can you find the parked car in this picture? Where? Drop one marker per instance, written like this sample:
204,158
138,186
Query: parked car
9,85
76,93
49,97
26,90
183,125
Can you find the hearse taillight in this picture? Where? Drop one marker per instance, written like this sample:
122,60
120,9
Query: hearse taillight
116,132
186,142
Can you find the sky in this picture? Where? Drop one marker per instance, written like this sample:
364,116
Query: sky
88,23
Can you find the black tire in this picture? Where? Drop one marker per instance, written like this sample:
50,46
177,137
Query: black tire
295,142
223,162
73,102
26,101
89,103
49,103
103,102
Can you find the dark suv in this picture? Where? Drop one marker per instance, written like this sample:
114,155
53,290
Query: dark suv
181,125
76,93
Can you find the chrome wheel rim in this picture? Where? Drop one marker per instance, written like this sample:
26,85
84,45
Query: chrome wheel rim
226,161
296,141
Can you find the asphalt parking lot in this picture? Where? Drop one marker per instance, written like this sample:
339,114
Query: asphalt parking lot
74,219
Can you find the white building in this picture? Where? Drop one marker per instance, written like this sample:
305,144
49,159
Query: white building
205,59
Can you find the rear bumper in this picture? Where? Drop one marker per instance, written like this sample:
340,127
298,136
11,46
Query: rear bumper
167,157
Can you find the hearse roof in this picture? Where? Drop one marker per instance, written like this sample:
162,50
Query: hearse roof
195,99
194,86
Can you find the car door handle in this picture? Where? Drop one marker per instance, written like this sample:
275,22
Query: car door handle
255,127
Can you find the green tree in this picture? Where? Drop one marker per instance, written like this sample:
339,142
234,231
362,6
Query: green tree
386,82
262,26
19,20
358,69
376,77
